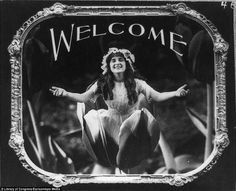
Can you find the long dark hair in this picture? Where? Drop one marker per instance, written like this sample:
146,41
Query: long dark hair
106,82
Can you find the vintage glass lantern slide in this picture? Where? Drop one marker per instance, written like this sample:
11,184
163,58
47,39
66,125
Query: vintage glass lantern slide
118,94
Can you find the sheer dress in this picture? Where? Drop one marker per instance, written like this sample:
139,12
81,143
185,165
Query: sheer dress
122,135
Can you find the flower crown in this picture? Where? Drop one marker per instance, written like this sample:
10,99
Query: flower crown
127,54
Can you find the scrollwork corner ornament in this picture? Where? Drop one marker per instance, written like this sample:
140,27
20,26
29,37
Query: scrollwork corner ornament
221,142
179,8
16,142
180,180
220,45
58,180
16,139
15,47
56,9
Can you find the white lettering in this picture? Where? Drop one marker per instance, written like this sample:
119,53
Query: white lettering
62,36
142,30
79,32
95,31
172,42
153,33
110,28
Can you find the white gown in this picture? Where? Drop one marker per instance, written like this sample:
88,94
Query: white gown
122,135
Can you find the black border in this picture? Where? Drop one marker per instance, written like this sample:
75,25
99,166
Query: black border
220,177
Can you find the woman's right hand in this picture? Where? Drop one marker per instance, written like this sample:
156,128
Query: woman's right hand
59,92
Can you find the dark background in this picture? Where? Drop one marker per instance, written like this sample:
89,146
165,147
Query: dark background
14,14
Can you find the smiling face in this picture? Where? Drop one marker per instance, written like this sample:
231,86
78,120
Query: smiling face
117,64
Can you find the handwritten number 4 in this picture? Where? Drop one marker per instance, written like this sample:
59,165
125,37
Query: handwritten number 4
224,4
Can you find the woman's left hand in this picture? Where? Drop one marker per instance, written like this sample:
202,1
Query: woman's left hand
181,92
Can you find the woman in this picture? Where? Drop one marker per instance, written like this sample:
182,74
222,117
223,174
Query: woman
126,133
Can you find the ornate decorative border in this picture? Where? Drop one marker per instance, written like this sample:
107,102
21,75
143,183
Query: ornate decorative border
15,49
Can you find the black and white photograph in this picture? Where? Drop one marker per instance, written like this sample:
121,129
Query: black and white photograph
118,95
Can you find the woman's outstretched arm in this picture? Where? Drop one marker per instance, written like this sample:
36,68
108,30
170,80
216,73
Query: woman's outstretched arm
180,92
83,97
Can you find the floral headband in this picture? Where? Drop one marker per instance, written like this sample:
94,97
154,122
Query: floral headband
127,54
